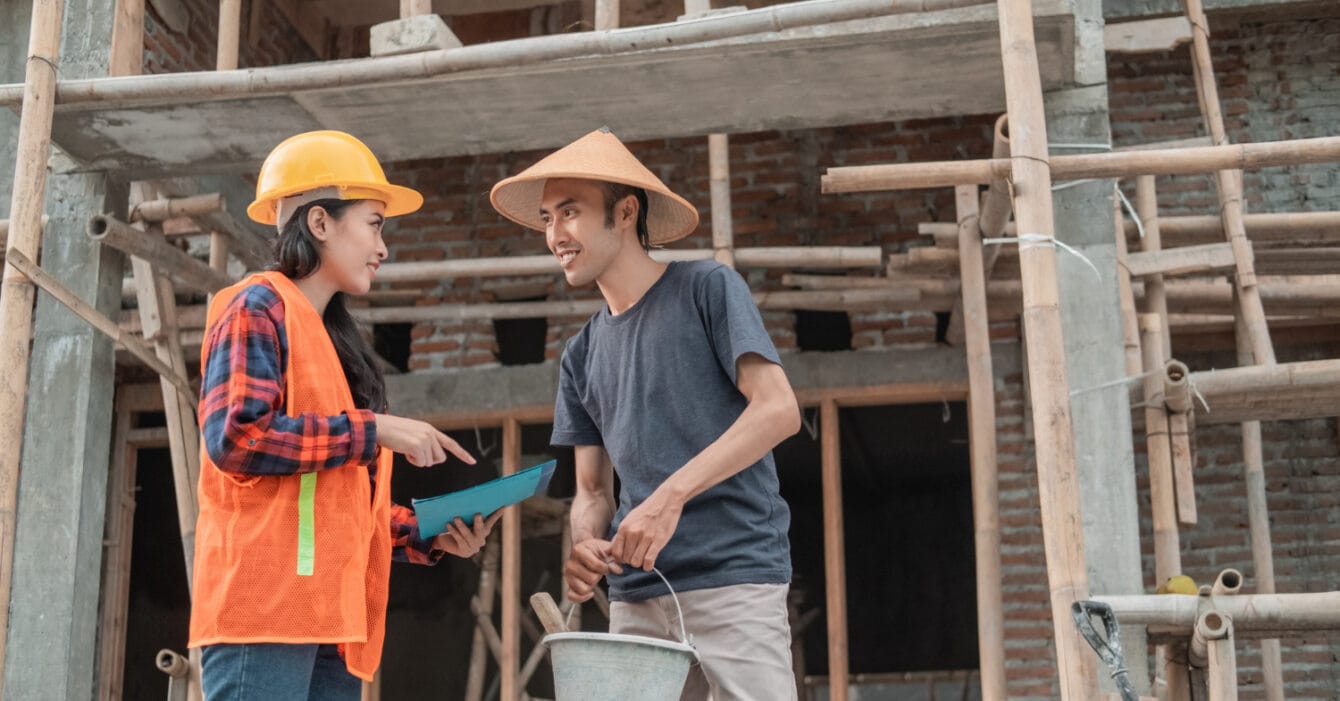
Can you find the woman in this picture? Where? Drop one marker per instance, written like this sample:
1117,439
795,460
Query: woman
296,529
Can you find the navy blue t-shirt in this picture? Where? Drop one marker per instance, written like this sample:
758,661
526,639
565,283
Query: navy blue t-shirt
655,385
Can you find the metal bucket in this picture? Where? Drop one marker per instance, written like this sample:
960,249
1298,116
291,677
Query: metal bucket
613,667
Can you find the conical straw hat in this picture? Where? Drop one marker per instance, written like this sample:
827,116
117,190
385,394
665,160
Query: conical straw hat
597,156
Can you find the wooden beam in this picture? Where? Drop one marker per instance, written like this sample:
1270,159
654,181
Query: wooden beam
1300,390
1181,261
835,559
154,248
161,210
1147,35
509,665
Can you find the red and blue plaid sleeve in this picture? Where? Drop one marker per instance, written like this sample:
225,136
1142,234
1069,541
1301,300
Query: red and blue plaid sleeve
406,545
244,426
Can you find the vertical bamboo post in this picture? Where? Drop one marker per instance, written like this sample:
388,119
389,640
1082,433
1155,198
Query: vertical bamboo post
487,592
994,216
509,665
1167,548
1258,524
230,34
835,557
1058,476
1229,186
1214,630
718,164
982,442
1156,297
17,291
1130,327
119,536
607,14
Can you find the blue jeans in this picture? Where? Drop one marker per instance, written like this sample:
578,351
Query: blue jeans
278,672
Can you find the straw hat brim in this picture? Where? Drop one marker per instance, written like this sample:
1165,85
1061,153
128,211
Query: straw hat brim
669,216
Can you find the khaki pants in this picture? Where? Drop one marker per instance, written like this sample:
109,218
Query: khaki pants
741,633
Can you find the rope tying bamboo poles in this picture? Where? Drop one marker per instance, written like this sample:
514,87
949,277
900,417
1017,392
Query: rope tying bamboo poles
515,53
1058,478
16,292
1116,164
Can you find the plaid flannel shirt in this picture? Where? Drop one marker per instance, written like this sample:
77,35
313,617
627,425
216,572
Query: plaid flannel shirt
245,428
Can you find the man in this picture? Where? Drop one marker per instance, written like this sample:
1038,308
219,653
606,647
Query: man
677,387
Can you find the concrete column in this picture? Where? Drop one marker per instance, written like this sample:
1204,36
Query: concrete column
15,17
67,436
1091,322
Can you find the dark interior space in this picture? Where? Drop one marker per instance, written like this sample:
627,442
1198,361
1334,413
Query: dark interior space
392,342
908,532
521,341
823,331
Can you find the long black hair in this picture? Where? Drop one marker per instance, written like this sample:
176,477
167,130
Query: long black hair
298,255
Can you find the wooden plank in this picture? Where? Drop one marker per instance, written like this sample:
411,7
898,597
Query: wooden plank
835,560
1144,36
1181,261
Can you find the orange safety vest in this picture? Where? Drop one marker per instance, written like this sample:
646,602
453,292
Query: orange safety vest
295,558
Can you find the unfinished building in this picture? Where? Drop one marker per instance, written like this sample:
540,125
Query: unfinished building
1056,283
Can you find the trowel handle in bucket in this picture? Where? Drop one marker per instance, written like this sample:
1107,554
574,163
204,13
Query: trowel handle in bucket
547,611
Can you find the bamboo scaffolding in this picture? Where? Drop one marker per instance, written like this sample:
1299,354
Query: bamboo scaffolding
1181,261
1297,228
718,159
1176,394
835,558
1258,522
1217,631
411,8
1254,615
1058,480
256,250
982,443
161,210
509,661
487,592
994,214
120,526
1130,326
1116,164
155,249
1158,450
1307,389
279,80
607,15
230,32
16,291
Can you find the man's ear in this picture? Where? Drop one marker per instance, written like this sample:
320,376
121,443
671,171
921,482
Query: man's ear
318,222
628,210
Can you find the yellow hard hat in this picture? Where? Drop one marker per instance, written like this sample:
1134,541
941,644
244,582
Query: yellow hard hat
323,165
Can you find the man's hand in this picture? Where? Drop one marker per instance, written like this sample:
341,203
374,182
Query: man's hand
587,564
464,541
645,531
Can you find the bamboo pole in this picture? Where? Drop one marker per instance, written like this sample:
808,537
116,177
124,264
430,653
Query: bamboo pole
1229,181
994,214
16,291
279,80
255,249
1115,164
1254,615
982,443
4,232
1258,525
1176,392
1058,479
230,32
718,164
488,589
158,318
1158,451
1300,228
1182,261
119,538
1307,389
85,311
1130,327
511,571
411,8
835,558
1223,661
157,251
161,210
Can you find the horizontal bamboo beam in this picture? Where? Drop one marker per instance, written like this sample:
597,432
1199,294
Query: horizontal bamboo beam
169,208
1300,390
759,257
1254,615
94,318
1298,227
224,85
1181,261
165,257
4,231
1116,164
253,248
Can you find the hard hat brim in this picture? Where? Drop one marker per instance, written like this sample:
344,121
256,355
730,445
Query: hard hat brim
398,200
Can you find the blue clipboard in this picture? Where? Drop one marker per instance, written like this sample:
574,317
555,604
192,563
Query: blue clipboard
436,513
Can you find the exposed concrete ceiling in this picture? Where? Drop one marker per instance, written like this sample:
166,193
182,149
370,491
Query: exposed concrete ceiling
891,68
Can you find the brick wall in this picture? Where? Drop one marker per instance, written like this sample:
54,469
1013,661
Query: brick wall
195,48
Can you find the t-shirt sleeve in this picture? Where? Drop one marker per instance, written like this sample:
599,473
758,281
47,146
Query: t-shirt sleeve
733,320
572,424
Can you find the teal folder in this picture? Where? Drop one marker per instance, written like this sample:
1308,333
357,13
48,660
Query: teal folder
436,513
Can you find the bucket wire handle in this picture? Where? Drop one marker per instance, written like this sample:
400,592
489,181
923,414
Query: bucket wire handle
683,633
